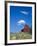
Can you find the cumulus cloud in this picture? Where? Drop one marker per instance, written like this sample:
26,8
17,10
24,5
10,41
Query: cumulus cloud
21,22
24,12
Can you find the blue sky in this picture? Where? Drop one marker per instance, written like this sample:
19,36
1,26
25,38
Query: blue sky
19,16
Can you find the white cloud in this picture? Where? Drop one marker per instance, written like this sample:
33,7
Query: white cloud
21,22
24,12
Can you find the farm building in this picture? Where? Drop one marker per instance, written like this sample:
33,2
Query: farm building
26,29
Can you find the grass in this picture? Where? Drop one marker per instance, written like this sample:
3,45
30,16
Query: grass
20,36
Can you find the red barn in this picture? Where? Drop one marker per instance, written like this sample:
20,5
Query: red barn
26,28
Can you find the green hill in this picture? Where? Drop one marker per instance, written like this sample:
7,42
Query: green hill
20,36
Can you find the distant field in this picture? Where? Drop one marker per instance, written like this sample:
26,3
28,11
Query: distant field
20,36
